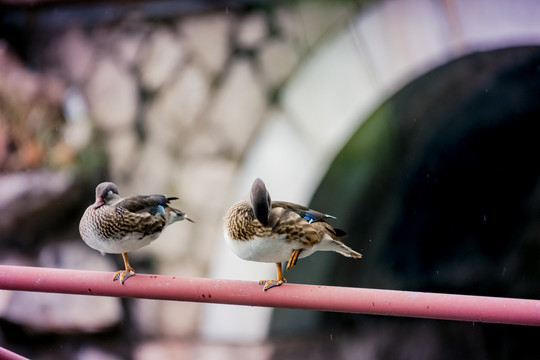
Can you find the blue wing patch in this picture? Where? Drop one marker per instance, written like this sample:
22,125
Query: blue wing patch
313,216
160,209
310,218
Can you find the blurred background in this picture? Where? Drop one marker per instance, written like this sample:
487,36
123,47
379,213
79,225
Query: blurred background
415,122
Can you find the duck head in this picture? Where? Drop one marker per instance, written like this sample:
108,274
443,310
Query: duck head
260,201
106,193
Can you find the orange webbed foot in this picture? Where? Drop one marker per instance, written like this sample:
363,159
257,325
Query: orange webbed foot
268,284
123,275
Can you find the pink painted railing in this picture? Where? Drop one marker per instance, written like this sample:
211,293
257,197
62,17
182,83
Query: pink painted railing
294,296
6,354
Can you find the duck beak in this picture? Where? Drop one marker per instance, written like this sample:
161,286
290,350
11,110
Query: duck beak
99,202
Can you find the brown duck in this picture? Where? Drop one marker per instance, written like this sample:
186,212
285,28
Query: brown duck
277,231
116,225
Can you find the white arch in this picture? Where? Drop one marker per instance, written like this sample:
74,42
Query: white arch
381,49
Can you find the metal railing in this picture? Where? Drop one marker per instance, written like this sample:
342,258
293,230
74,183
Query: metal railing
294,296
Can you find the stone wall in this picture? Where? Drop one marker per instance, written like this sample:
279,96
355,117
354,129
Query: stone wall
157,107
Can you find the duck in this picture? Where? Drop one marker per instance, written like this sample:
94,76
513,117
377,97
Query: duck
279,232
116,225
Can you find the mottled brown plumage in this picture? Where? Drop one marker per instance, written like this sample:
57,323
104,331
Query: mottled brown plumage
278,231
118,226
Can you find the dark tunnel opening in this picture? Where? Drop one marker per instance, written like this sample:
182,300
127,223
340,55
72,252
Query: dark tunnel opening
440,189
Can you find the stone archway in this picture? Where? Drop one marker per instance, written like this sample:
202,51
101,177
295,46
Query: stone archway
440,195
384,47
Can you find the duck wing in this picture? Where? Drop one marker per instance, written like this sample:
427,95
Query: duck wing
151,204
310,215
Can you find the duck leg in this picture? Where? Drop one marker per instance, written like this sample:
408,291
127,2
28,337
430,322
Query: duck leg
271,283
123,275
293,258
